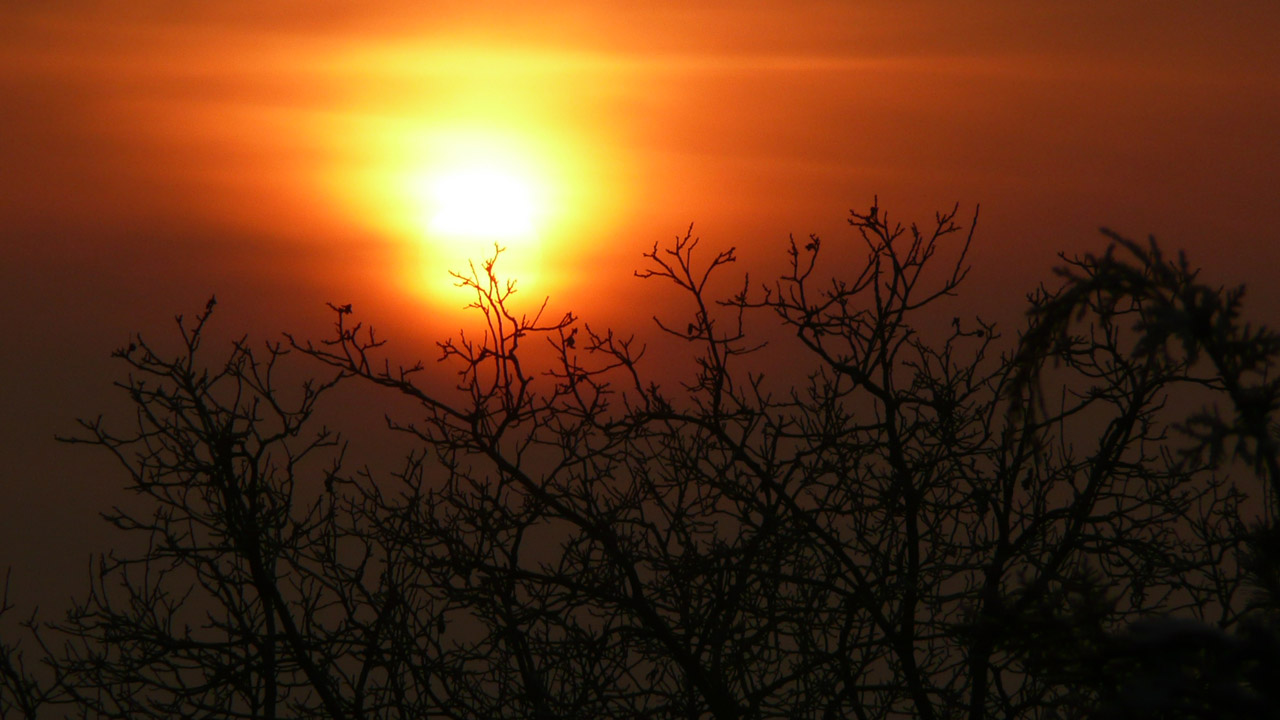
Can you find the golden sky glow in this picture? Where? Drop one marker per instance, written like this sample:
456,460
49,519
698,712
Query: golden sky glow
326,132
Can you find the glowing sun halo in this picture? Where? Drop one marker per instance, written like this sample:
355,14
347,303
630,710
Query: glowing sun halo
452,196
482,203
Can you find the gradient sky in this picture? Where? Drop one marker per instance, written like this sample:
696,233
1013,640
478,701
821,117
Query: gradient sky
276,154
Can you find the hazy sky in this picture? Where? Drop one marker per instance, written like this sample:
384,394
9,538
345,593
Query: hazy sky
285,154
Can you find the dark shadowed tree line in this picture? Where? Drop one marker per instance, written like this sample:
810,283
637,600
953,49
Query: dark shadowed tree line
868,514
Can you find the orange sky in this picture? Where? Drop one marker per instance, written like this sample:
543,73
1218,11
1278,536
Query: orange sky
154,153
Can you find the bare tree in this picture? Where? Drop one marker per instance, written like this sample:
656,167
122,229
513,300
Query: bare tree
847,509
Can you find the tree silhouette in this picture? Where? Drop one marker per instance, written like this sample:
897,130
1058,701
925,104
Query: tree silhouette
843,511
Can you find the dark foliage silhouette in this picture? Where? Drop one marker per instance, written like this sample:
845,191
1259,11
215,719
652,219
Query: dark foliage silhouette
866,514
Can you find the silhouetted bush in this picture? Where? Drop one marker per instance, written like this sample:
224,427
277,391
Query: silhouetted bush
870,515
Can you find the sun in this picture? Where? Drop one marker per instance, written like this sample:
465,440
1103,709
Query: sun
482,202
449,195
472,148
471,192
473,204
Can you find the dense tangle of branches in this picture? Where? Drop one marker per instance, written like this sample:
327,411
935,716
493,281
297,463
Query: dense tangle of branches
870,514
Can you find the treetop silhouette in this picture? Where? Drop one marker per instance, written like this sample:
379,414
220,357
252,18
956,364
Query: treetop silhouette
883,524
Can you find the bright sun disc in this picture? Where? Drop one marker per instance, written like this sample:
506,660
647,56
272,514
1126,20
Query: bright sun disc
482,203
